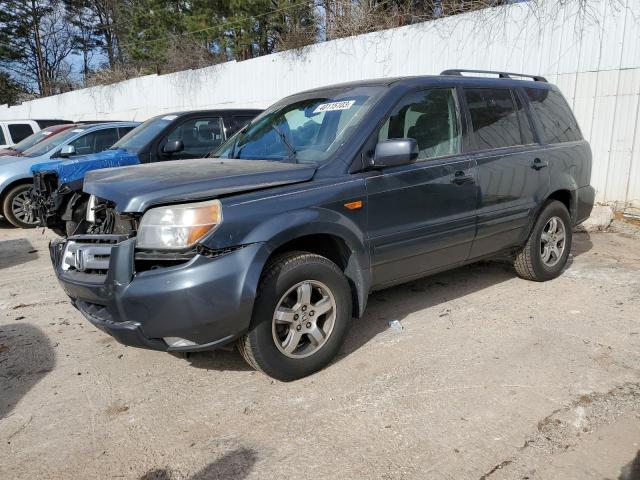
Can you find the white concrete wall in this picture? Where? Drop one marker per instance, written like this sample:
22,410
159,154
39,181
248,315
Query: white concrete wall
593,57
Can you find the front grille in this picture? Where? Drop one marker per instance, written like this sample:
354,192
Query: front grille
86,257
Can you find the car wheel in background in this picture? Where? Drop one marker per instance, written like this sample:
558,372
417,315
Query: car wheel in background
301,316
16,207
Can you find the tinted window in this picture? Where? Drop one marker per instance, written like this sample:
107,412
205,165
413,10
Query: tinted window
494,118
200,136
124,130
555,117
95,141
2,140
19,131
430,117
139,137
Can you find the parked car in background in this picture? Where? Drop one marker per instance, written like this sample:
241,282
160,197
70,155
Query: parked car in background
15,170
14,131
37,137
329,195
57,196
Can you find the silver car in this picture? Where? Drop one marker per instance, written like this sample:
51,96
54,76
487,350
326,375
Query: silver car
15,175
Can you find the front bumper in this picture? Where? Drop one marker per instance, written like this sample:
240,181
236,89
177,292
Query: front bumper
207,301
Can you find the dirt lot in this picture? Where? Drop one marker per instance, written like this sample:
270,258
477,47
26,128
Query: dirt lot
492,377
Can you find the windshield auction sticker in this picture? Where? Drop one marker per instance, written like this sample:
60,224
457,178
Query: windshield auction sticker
330,107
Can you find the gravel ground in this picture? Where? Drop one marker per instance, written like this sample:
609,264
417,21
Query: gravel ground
491,377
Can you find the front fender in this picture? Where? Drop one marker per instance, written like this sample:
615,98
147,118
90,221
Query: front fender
276,231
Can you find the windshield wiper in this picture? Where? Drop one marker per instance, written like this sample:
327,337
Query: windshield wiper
292,150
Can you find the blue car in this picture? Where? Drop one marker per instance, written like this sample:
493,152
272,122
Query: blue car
57,197
16,177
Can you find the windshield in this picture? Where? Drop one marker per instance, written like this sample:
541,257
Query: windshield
31,140
308,128
139,137
52,142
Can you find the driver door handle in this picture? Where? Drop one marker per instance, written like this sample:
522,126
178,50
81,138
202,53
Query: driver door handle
461,177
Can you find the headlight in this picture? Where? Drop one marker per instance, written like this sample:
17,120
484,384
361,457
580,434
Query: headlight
178,226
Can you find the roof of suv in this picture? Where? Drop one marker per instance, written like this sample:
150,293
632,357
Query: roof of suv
530,80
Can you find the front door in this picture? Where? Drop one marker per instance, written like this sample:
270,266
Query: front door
422,215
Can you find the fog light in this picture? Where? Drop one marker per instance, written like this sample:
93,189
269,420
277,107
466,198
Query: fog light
178,342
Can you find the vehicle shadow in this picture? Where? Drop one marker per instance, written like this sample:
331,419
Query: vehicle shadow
26,356
581,243
631,471
4,224
398,302
222,360
15,252
233,465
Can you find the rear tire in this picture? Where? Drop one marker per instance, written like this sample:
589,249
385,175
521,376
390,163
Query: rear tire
301,316
545,254
16,207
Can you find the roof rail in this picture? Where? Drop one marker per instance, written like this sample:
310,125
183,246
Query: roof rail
459,72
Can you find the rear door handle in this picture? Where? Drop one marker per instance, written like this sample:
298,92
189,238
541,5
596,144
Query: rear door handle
539,164
461,177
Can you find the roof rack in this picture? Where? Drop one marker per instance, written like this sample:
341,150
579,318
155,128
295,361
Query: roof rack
535,78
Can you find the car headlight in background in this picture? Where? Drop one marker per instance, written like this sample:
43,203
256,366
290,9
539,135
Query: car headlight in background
176,227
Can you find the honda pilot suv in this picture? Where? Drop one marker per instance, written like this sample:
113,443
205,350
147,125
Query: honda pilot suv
330,194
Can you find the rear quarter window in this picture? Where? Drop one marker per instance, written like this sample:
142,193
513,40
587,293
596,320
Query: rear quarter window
554,116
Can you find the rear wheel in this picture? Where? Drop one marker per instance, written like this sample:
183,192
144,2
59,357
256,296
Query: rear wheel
301,317
16,207
547,249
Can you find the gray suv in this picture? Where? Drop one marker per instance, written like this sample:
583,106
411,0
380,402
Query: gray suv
330,194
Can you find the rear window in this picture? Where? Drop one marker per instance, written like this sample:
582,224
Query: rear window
556,120
497,120
19,131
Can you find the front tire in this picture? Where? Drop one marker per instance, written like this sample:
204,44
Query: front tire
16,207
545,254
301,316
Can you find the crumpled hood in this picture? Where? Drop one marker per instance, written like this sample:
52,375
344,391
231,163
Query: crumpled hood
75,168
134,189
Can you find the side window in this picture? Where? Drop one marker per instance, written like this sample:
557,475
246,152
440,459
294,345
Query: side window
557,122
2,140
431,118
240,121
95,141
19,131
122,131
495,120
199,135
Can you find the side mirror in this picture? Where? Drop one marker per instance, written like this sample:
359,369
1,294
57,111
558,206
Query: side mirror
67,151
173,146
395,152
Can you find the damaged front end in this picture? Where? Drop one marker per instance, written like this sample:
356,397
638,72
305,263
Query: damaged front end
53,204
57,197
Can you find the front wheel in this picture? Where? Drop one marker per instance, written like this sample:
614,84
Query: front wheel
547,249
301,317
17,207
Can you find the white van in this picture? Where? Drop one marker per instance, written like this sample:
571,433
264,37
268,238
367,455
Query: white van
14,131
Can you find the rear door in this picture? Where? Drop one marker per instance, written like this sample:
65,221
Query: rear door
422,215
512,179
